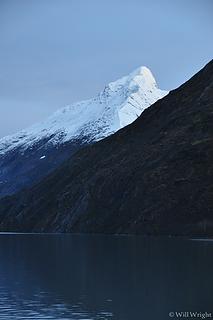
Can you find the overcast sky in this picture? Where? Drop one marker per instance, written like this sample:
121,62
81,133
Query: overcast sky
55,52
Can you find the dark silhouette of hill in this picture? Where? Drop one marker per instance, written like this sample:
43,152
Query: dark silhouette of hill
155,176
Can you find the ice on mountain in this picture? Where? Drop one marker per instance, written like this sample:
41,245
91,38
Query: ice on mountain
119,104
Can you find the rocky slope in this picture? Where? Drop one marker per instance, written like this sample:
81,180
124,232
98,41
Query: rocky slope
29,155
152,177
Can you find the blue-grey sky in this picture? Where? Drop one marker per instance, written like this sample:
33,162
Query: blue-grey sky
55,52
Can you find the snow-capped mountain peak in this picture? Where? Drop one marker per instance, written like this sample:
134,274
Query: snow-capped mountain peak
119,104
139,78
143,76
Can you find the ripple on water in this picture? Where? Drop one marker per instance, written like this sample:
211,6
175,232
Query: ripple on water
15,308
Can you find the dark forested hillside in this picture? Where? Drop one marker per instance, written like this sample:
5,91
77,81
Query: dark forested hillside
155,176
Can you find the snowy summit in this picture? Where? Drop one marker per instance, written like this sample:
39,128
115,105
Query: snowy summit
31,154
119,104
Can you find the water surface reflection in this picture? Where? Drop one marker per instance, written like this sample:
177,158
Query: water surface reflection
102,277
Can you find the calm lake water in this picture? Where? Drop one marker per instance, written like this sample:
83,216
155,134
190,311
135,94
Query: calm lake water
103,277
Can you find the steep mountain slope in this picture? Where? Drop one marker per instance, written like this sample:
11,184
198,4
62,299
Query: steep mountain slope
152,177
31,154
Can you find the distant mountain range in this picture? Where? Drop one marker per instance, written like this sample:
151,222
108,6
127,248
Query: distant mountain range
31,154
154,176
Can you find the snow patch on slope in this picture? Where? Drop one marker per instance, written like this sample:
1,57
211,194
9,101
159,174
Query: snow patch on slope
119,104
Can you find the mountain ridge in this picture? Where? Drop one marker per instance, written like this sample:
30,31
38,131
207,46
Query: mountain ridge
152,177
138,90
29,155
